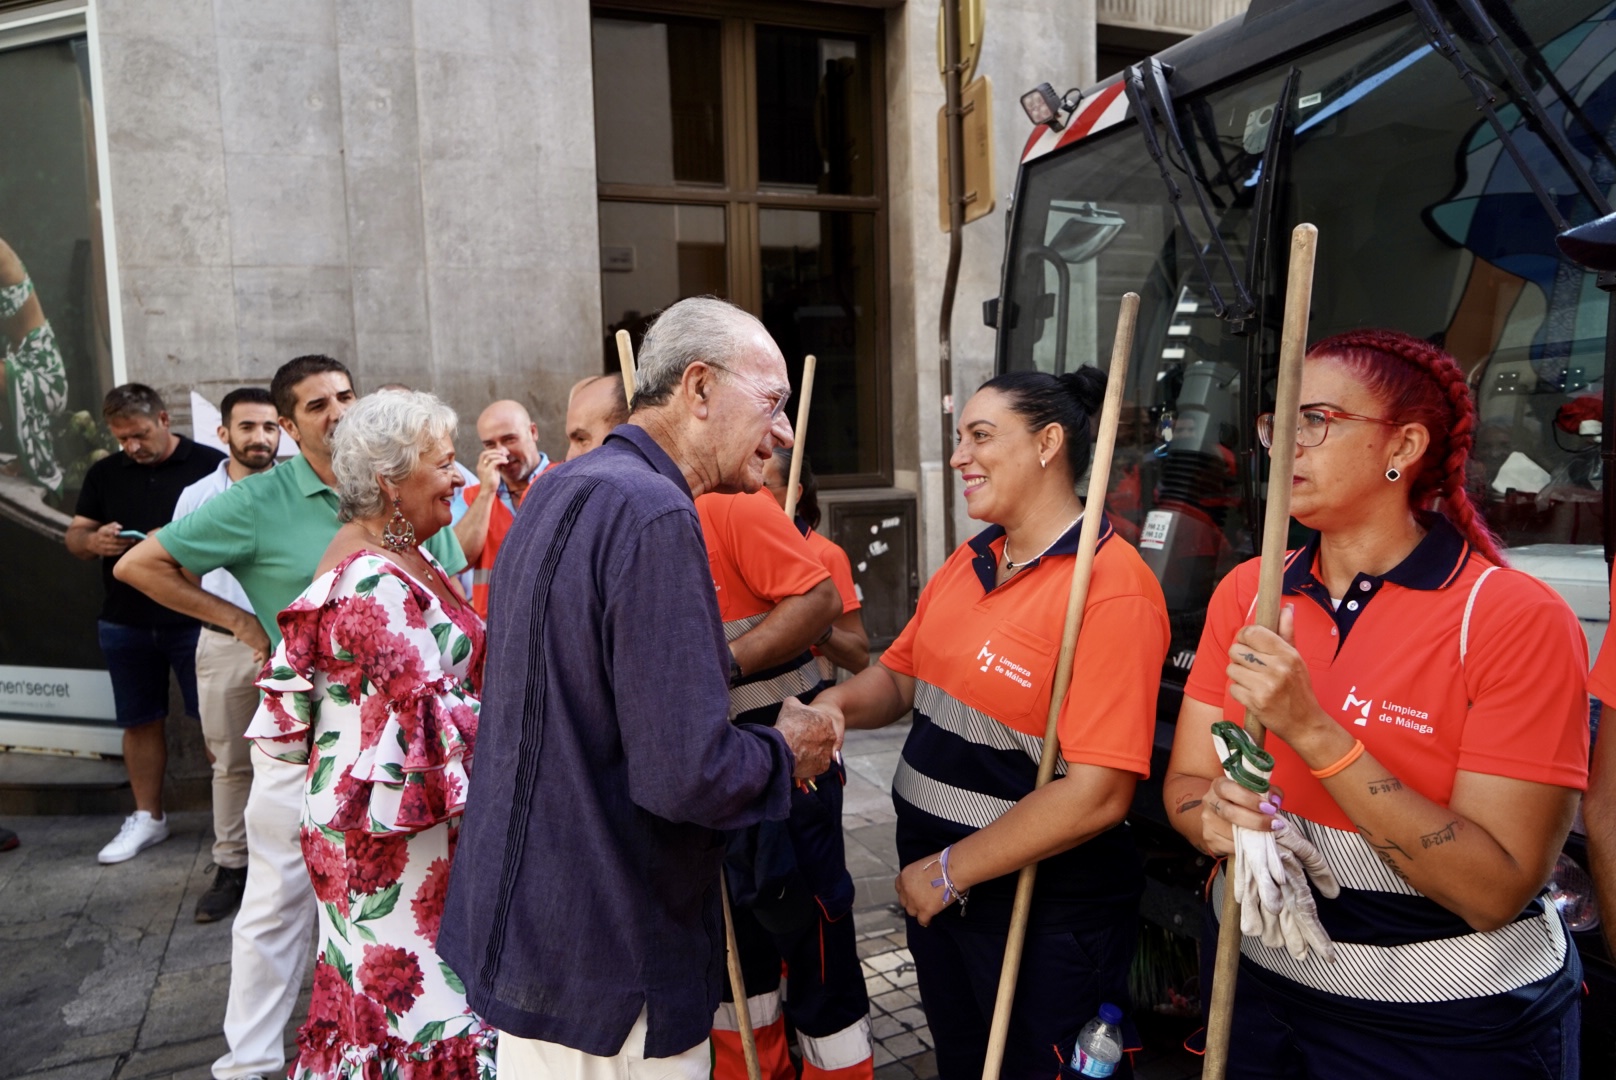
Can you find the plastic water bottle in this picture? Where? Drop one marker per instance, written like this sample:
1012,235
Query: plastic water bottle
1099,1044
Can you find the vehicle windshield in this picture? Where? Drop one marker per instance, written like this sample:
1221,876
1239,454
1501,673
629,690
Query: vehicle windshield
1424,226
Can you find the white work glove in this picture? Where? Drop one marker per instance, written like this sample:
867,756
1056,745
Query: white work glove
1299,927
1270,870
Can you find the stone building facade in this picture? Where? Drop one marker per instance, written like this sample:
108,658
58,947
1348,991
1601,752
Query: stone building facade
416,187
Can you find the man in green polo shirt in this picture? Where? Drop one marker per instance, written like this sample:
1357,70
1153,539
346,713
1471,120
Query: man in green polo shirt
269,531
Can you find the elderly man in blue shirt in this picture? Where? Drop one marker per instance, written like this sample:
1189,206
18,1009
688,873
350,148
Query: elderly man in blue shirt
583,910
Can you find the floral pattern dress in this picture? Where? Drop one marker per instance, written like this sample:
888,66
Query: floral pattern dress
373,686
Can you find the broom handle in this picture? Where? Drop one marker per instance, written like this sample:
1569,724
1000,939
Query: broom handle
737,982
737,987
625,360
802,433
1082,569
1270,588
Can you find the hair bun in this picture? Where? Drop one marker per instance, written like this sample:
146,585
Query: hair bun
1087,386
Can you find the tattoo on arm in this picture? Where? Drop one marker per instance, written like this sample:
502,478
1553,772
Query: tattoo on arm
1385,785
1444,835
1384,850
1186,805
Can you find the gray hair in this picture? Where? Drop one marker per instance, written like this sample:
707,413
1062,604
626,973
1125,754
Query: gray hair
131,400
382,438
700,328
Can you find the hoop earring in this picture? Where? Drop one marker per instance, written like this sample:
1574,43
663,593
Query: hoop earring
1393,475
399,533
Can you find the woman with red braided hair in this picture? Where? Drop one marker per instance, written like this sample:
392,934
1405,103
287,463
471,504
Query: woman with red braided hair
1428,731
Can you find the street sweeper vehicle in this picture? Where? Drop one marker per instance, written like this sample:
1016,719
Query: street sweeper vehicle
1443,149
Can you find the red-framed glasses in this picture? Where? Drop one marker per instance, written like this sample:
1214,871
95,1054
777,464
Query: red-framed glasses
1312,425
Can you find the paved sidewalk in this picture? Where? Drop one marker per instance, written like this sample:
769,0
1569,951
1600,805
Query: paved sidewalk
104,975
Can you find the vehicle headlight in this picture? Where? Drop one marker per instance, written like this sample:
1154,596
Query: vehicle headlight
1572,891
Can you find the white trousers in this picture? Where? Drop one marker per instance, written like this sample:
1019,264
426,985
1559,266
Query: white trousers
521,1059
227,700
273,937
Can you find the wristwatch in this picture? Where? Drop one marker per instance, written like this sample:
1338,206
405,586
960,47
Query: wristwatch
734,670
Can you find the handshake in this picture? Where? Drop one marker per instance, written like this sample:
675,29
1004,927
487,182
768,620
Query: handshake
814,734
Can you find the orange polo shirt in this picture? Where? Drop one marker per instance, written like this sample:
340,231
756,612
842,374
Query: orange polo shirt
758,559
1386,665
983,658
757,556
994,648
835,560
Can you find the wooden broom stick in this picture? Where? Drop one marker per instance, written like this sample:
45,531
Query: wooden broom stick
737,986
625,360
1270,587
1076,599
803,402
737,981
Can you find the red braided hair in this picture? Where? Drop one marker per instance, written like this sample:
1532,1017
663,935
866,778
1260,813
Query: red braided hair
1418,383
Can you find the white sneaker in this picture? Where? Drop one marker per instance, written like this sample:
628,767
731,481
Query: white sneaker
140,831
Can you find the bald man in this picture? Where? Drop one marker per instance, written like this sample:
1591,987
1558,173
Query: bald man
510,461
595,406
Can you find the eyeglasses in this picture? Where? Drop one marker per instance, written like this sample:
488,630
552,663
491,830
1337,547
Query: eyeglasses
1312,425
776,399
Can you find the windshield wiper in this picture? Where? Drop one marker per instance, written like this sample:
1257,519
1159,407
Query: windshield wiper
1532,110
1262,206
1145,84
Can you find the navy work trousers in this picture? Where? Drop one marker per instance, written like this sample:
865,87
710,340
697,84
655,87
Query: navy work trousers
1279,1036
1064,979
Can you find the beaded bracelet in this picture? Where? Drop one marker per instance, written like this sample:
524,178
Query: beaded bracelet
949,891
1345,760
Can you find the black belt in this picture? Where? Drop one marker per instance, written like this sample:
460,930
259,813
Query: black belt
217,629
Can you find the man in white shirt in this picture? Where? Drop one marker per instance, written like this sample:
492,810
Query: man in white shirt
225,667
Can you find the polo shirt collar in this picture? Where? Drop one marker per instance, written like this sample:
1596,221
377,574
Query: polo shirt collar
652,452
308,481
985,561
1435,560
1433,564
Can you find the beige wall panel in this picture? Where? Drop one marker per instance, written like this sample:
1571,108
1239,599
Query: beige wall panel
399,183
1024,42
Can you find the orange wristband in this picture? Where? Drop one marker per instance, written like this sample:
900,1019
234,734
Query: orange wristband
1345,760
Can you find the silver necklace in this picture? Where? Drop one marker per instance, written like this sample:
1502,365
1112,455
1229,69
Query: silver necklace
1013,566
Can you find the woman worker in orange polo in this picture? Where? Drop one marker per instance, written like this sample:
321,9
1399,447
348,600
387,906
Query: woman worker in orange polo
1428,721
977,663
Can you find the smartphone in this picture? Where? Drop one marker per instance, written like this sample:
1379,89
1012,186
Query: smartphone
132,534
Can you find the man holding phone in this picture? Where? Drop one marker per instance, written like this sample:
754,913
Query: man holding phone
127,494
510,461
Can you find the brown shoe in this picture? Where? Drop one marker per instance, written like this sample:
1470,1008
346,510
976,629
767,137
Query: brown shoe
221,901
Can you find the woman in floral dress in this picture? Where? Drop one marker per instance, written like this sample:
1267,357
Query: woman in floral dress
374,687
